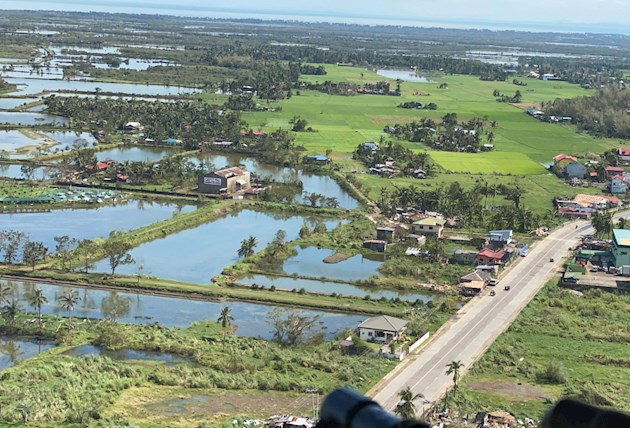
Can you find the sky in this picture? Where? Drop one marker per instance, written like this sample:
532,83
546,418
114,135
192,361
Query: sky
562,15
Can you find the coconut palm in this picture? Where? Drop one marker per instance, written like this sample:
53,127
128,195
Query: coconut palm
225,318
68,300
247,246
454,368
37,300
406,409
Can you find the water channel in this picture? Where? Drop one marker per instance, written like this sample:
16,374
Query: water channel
250,319
196,255
28,118
329,287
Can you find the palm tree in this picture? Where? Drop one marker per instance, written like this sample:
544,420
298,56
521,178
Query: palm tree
247,246
37,300
405,408
454,368
68,300
225,318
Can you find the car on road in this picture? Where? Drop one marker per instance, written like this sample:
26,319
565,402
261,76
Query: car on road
494,281
551,260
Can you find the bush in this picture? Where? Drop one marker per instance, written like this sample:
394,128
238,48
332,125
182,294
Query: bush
553,374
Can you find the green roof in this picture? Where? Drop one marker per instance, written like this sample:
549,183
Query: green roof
595,253
575,275
430,221
622,237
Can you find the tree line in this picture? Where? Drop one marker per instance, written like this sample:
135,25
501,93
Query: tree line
187,120
605,114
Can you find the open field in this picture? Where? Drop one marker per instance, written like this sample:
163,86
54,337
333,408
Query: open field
584,340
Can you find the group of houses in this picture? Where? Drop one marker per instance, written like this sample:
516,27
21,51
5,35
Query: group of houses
541,115
497,251
584,206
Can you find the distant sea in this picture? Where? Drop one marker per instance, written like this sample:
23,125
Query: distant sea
187,10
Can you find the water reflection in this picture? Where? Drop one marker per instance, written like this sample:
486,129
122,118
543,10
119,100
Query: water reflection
196,255
329,287
309,262
90,223
313,183
250,319
13,350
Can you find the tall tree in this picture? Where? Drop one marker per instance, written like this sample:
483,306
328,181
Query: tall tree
406,408
117,252
289,327
37,300
454,368
5,292
34,252
64,246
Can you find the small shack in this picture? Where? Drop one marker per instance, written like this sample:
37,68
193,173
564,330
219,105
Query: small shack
375,245
228,180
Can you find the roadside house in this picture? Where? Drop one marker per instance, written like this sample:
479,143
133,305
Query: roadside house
463,257
474,282
614,171
428,226
382,329
502,237
487,256
227,180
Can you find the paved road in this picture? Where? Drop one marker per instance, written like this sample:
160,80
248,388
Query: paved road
478,324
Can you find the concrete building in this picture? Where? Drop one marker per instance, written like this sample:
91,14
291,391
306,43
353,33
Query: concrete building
428,226
381,329
229,180
621,247
618,185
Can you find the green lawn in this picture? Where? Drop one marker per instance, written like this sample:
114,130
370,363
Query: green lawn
586,336
522,144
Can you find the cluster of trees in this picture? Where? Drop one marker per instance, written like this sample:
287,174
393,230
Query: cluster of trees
448,135
16,246
317,200
469,206
418,105
518,82
403,157
238,54
604,114
187,120
502,98
587,72
346,88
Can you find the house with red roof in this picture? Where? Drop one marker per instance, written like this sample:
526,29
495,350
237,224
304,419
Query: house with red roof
614,171
562,157
487,256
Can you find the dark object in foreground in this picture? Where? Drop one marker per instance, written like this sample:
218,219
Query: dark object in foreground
346,408
574,414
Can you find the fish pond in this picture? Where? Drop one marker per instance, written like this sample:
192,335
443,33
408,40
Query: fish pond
13,140
135,153
309,262
15,171
250,319
196,255
312,183
31,119
13,350
89,223
404,75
